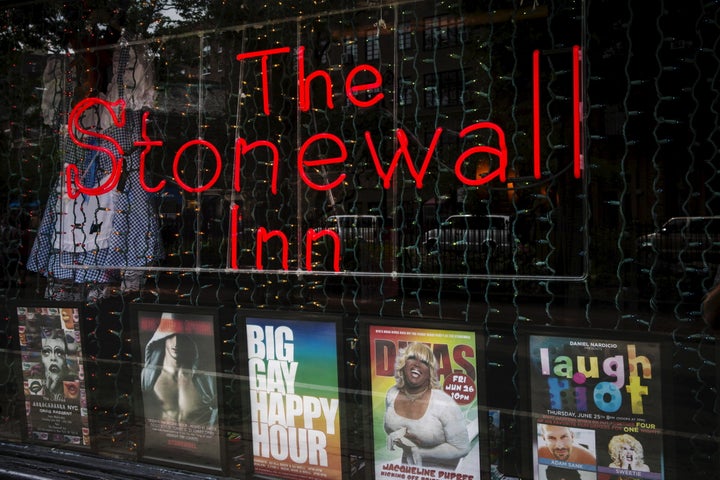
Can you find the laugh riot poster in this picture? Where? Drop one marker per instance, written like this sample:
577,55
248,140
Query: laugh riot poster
597,407
424,432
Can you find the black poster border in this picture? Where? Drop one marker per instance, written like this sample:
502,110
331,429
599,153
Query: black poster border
82,391
172,456
429,325
243,315
596,340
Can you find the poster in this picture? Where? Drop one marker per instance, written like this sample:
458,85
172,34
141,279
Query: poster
596,407
178,386
295,412
426,425
53,375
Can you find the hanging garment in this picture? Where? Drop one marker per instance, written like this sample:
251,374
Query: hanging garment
86,220
102,235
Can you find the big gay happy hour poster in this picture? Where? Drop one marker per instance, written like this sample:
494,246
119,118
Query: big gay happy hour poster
294,397
442,439
597,406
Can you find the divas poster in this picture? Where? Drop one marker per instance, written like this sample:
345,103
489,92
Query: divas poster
53,375
294,398
597,408
432,431
179,387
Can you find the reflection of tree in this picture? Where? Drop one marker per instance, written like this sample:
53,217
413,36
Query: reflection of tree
52,26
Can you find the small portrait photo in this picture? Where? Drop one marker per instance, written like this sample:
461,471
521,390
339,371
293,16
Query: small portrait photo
627,453
566,444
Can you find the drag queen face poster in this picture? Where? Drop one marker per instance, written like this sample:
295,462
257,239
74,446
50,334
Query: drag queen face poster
425,391
53,375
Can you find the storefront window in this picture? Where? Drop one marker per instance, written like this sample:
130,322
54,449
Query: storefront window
408,239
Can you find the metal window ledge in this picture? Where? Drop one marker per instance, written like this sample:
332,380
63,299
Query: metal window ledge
32,462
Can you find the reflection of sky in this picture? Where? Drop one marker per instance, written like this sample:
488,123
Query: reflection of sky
171,17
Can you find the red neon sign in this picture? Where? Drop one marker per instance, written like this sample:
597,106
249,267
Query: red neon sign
355,90
72,174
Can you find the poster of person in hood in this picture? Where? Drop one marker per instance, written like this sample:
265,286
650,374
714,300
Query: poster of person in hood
179,388
53,375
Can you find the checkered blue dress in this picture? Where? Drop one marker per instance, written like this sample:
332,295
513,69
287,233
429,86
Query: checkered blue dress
134,238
